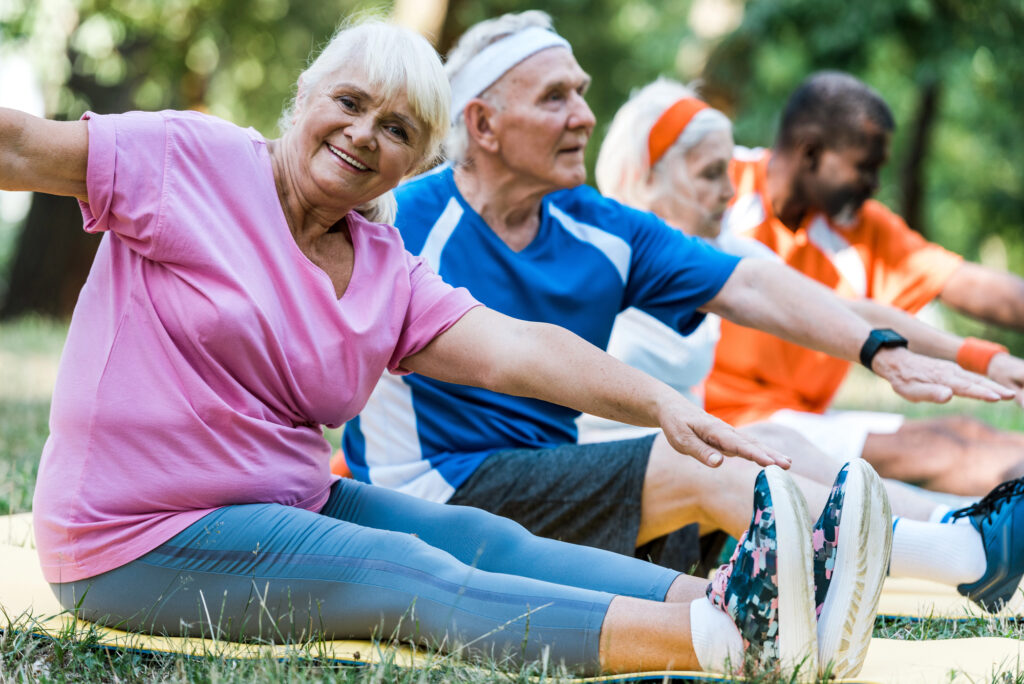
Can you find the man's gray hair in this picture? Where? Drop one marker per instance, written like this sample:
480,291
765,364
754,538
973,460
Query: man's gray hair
470,44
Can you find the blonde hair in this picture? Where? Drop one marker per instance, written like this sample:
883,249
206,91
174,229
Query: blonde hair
622,167
397,60
472,43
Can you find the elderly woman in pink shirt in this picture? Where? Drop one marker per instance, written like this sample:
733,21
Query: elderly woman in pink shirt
248,292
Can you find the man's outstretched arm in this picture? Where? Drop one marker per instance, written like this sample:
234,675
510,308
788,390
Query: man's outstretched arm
774,298
998,364
986,294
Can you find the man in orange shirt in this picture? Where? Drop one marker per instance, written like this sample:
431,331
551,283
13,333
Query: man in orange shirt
809,200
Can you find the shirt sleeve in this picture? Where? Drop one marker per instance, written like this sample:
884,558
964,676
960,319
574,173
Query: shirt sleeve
434,306
672,275
907,270
125,177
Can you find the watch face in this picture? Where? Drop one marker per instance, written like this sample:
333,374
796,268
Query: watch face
886,336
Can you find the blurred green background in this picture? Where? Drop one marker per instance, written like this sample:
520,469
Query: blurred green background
951,70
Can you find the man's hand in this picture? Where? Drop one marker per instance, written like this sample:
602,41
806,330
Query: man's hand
695,433
922,378
1008,371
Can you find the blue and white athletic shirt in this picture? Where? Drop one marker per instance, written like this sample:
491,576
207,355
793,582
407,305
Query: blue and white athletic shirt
592,258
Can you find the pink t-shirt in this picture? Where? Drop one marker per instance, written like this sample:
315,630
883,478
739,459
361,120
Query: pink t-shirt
206,351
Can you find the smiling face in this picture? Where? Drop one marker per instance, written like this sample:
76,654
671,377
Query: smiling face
350,144
841,179
691,189
541,121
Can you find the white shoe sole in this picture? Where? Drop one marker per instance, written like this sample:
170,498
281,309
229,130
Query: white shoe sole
865,539
798,647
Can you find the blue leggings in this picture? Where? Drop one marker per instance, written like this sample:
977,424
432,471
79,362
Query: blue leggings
373,562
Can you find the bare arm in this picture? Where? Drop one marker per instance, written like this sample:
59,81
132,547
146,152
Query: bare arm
771,297
1006,369
490,350
923,338
42,155
986,294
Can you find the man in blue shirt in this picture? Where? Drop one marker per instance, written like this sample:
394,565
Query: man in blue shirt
511,220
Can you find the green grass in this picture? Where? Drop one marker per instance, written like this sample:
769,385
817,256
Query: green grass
29,349
78,657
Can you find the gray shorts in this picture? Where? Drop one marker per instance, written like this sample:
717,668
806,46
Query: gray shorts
580,493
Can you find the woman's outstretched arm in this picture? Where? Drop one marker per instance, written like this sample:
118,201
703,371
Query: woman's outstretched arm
488,349
42,155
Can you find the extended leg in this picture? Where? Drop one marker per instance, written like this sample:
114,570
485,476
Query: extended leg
497,544
952,454
277,573
818,466
678,490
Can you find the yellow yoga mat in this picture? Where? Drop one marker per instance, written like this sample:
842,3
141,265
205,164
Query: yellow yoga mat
24,593
924,599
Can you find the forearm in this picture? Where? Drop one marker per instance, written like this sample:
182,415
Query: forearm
923,338
776,299
487,349
987,295
557,366
10,148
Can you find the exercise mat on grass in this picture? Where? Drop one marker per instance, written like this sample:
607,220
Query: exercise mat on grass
26,600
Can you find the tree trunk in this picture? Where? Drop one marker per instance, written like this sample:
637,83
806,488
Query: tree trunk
912,172
52,260
54,254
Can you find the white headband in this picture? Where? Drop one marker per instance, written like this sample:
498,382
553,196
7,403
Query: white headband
491,63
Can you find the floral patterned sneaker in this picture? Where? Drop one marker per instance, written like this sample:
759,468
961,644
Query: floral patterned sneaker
999,518
766,587
851,542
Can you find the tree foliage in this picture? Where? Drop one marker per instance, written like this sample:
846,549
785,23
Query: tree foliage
950,69
967,53
234,58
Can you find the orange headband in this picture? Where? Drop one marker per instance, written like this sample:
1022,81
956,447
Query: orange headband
670,125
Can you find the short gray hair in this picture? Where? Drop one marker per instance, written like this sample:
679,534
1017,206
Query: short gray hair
478,37
622,164
397,60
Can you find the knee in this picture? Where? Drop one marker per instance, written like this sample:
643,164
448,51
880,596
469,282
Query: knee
484,535
665,462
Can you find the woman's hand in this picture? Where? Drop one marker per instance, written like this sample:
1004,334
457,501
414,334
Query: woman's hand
693,432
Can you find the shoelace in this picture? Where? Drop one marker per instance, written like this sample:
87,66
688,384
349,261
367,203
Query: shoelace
993,502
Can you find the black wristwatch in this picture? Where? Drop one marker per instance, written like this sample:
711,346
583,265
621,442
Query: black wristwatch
878,339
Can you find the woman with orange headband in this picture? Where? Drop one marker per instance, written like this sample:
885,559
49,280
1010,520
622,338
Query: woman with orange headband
668,152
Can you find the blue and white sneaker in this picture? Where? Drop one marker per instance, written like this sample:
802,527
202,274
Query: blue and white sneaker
999,518
851,542
766,587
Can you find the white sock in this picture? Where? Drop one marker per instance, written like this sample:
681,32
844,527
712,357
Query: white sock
944,515
715,637
950,554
